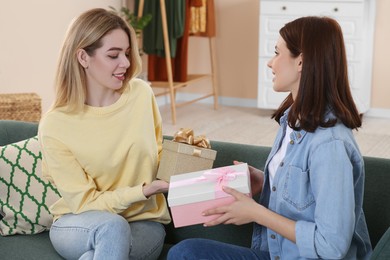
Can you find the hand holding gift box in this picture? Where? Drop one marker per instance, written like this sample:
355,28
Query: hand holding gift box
185,153
190,194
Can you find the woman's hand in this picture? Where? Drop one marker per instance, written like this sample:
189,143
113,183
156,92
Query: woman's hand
243,210
257,178
157,186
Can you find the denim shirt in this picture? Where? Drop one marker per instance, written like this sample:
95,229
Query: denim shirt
319,184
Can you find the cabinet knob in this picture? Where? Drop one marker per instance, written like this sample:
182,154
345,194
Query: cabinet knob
335,9
284,8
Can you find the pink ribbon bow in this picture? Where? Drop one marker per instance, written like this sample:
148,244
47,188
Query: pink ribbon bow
220,176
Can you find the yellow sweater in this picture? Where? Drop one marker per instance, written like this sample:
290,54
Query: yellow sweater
99,159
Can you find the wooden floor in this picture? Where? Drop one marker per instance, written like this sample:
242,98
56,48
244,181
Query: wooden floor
254,126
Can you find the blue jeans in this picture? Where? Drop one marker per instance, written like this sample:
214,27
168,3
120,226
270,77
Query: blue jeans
202,249
104,235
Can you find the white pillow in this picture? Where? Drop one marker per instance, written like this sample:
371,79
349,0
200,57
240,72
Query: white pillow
25,196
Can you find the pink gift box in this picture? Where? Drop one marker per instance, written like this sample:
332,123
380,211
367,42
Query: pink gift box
190,194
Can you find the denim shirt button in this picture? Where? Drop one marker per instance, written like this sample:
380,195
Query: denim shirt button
273,188
291,141
277,258
273,236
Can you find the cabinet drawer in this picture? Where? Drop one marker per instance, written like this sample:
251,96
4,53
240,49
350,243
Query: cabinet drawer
356,18
355,69
270,25
268,98
353,48
265,73
334,9
271,99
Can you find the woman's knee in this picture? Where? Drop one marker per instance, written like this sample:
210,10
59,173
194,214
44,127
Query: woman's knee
186,249
148,239
116,225
83,232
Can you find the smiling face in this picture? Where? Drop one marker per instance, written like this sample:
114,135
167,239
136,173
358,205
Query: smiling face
285,68
105,68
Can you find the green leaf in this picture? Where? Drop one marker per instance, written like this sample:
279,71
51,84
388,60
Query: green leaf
137,23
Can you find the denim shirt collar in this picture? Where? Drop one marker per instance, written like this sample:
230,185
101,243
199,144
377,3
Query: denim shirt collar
296,136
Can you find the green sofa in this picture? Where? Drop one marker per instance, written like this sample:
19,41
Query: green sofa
376,203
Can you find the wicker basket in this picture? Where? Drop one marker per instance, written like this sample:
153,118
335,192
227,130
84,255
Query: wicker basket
21,107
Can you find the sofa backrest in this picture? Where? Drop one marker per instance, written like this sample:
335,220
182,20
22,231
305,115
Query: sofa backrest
376,197
376,204
14,131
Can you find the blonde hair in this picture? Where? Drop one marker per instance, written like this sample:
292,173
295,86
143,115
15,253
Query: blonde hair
86,32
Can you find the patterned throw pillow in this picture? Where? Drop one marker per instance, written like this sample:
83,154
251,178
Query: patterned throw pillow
24,196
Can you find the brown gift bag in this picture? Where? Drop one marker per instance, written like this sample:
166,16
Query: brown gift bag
185,153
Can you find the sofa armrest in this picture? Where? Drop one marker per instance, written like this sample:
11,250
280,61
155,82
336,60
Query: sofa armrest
18,247
14,131
376,196
382,249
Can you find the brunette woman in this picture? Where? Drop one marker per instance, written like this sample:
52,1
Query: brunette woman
311,199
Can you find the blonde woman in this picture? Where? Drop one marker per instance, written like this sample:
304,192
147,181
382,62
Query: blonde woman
101,143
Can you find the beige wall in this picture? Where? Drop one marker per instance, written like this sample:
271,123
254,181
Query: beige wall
381,76
31,33
237,48
237,53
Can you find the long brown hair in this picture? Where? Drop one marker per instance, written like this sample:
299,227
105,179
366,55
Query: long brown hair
86,32
324,78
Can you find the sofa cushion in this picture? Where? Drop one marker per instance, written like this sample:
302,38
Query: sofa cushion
377,197
31,247
382,249
14,131
24,195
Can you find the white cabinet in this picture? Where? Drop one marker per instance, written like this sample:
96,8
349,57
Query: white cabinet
356,18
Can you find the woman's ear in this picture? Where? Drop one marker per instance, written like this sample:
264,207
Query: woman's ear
300,62
82,57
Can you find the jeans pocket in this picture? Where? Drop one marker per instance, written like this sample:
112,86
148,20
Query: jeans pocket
297,191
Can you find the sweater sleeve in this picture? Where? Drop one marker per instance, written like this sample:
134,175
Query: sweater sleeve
78,190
